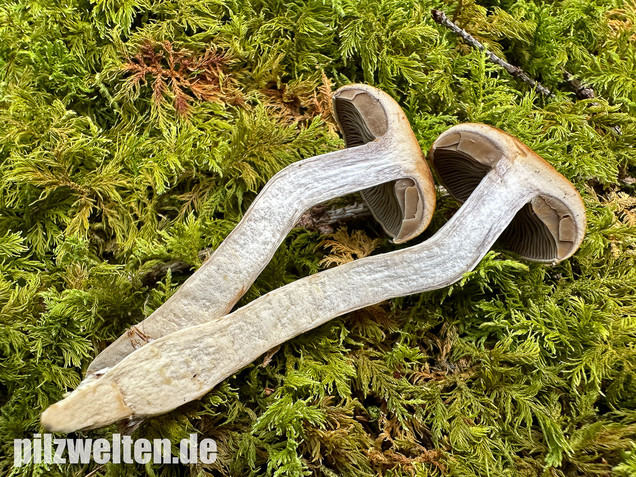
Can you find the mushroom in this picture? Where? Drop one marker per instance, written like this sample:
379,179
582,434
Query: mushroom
383,159
545,229
497,177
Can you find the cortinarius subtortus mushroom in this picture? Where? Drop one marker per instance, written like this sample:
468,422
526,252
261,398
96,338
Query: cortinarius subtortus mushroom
186,364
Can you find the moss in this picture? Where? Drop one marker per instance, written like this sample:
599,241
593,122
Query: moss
136,133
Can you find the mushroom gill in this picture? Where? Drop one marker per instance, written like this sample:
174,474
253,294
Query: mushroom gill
528,236
396,205
543,230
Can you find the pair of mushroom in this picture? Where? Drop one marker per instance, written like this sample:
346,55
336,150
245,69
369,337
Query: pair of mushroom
190,344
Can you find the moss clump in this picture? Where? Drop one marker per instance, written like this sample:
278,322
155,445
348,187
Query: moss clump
136,133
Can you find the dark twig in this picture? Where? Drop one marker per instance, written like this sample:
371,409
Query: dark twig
325,221
584,91
441,18
581,90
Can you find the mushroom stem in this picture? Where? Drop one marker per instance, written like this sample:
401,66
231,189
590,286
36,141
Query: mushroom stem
186,364
212,291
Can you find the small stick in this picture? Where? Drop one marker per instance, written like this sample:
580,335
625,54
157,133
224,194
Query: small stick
324,220
441,18
584,91
581,90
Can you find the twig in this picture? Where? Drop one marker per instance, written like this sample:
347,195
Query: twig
584,91
581,90
441,18
325,220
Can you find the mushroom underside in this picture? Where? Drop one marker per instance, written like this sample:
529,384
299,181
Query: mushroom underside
354,128
527,235
395,204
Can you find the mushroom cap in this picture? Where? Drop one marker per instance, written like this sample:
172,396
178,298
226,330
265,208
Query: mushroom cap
403,207
551,226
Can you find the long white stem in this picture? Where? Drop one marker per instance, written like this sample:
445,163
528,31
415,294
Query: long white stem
219,283
186,364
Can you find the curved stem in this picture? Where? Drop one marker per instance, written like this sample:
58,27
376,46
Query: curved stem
219,283
187,364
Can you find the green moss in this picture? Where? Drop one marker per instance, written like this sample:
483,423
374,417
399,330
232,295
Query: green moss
518,370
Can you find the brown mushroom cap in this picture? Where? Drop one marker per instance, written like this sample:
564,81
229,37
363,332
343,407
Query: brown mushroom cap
551,226
403,207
